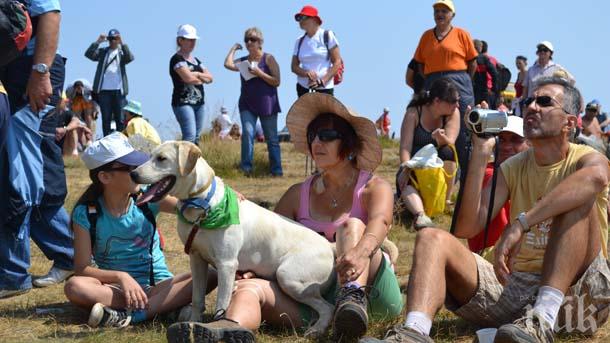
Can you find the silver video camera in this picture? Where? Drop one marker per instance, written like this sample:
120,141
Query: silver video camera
486,123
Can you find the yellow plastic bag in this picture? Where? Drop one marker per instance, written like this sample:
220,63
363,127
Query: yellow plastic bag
432,187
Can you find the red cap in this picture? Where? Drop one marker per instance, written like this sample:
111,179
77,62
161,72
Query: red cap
309,11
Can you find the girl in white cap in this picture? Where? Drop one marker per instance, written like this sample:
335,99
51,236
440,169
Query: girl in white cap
130,281
188,76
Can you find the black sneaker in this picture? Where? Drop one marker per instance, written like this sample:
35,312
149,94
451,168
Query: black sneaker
105,316
224,330
351,319
528,329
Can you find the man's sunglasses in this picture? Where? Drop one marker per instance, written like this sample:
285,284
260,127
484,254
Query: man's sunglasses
543,50
111,38
543,101
324,135
251,39
301,17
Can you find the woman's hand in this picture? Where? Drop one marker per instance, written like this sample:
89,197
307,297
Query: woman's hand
440,137
236,46
256,71
352,264
135,297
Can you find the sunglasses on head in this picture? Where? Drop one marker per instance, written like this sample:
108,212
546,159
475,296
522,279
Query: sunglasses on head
324,135
251,39
301,17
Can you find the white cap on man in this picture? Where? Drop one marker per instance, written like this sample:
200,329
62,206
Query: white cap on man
514,125
187,31
546,44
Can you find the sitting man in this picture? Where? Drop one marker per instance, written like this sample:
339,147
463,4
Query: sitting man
553,250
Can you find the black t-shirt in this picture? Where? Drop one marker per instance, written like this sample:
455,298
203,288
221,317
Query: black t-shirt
185,94
418,79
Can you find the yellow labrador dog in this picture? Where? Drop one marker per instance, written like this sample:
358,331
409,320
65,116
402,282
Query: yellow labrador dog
272,246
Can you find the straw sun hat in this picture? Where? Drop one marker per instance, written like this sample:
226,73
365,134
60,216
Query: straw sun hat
310,105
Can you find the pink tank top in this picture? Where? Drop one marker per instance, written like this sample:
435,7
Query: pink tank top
328,229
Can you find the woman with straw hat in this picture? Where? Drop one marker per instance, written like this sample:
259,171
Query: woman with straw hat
347,204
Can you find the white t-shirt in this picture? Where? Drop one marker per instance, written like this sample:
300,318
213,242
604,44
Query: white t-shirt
112,79
225,125
315,56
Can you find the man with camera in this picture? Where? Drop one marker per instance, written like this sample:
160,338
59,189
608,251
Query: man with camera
552,253
110,83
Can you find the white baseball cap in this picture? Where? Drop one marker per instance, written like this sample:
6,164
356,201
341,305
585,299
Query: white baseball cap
514,125
547,44
187,31
114,147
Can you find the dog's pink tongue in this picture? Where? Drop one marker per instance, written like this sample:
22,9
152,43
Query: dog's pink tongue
149,194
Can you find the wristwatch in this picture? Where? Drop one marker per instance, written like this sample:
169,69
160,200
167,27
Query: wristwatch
40,68
525,226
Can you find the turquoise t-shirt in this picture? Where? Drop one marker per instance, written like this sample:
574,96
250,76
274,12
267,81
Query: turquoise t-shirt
123,243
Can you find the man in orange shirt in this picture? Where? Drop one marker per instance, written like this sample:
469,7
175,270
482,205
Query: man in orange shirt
448,51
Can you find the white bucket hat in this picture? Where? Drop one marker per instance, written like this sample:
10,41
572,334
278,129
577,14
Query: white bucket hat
187,31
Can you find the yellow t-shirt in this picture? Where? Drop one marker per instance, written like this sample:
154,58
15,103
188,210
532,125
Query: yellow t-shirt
139,125
527,183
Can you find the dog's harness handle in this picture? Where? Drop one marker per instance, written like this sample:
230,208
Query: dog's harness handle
198,203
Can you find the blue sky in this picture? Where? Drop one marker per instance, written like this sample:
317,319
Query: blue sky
377,40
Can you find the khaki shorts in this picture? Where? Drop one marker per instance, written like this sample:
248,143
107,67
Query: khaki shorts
584,310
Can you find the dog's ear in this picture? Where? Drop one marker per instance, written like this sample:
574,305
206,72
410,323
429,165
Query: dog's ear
188,154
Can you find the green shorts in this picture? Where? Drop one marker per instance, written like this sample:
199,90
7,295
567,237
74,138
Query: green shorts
385,299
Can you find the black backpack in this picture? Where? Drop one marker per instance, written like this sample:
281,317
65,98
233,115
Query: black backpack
15,30
504,76
93,211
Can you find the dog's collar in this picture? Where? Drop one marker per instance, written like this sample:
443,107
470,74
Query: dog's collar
203,188
199,202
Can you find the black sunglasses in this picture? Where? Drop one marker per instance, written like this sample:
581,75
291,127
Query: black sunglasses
324,135
543,50
251,39
543,101
301,17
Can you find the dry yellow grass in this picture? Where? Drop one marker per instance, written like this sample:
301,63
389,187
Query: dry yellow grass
20,321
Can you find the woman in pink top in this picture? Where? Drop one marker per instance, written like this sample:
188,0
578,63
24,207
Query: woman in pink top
345,203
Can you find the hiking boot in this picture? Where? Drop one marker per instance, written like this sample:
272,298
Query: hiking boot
400,334
224,330
105,316
54,276
529,329
7,293
422,221
351,319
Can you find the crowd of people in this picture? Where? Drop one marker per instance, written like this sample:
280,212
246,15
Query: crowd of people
534,211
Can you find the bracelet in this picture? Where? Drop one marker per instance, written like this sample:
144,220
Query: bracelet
376,240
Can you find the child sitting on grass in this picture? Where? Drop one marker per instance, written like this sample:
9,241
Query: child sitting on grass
131,282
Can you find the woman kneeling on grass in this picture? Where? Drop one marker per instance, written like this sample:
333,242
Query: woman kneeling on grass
131,282
347,204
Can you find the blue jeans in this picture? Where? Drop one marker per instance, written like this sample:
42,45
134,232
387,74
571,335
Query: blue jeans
269,124
49,227
190,119
111,105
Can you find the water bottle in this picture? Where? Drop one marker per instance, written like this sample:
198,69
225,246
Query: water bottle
112,126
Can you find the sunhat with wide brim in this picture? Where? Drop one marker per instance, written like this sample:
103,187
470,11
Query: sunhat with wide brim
310,105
